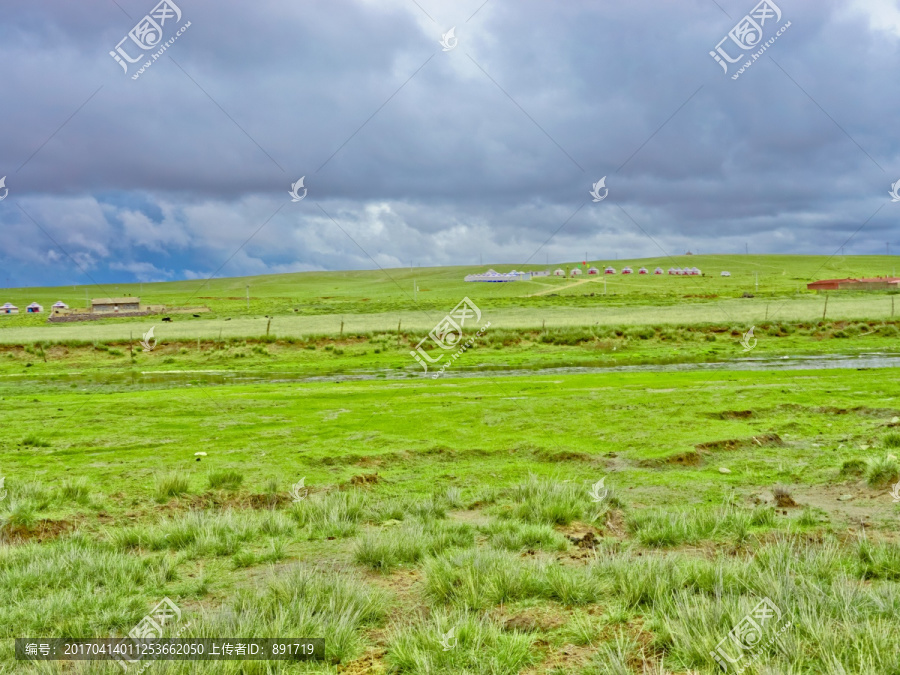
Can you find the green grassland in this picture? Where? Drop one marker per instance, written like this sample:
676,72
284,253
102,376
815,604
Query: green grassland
464,503
459,524
333,303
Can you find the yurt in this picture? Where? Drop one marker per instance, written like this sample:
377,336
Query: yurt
673,270
559,273
725,274
593,270
34,308
59,304
658,270
643,270
9,308
610,270
627,270
575,272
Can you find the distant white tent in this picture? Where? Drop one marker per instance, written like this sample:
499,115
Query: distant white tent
494,276
575,272
643,270
593,270
726,274
559,273
658,270
627,270
34,308
9,308
610,270
59,304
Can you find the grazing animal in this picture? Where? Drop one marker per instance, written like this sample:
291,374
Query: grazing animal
167,318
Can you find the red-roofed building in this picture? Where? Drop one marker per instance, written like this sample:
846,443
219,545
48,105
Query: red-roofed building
876,284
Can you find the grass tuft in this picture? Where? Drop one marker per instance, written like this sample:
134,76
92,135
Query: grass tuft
227,479
882,472
170,485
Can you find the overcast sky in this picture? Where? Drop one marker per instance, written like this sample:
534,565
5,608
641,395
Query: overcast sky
414,154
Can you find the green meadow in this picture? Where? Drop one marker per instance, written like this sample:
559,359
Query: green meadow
577,494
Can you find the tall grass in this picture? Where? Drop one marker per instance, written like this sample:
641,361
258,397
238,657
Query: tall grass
458,642
202,533
300,601
170,485
229,479
410,542
552,503
882,472
662,527
333,514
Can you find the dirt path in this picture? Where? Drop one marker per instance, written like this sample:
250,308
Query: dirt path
562,288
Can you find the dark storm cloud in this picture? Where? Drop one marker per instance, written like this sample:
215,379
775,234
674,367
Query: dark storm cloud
484,150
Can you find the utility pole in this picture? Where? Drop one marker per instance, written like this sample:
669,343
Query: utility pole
746,248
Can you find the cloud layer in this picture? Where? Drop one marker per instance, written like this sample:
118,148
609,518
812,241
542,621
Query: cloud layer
414,154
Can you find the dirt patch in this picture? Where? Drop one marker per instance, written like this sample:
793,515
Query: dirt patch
858,410
783,498
213,500
686,459
473,517
43,530
732,415
534,620
370,662
369,462
690,458
562,456
587,540
737,443
365,479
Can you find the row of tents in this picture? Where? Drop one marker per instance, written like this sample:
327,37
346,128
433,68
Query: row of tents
33,308
676,271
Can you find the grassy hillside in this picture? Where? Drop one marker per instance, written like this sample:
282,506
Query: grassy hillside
312,303
320,292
